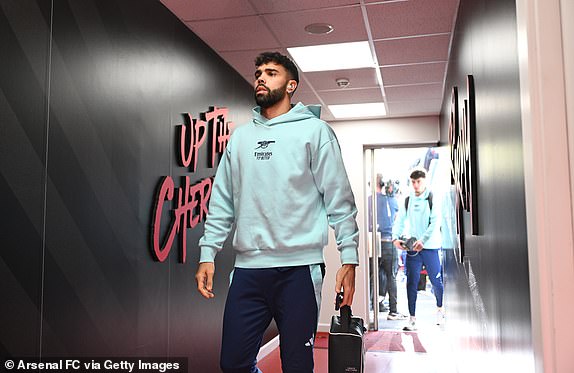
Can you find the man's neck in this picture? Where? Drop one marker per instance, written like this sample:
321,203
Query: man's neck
276,110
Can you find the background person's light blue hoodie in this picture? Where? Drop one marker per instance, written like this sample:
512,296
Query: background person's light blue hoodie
282,182
420,221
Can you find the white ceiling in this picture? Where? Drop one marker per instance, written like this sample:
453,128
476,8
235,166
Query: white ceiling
410,39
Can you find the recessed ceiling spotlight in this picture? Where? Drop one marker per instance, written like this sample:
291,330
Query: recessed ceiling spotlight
319,28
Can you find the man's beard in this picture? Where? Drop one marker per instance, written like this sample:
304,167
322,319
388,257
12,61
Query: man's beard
271,98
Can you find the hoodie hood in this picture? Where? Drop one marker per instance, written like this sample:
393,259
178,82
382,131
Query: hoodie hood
297,112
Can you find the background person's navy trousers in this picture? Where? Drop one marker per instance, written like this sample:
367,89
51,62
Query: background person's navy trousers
431,259
291,296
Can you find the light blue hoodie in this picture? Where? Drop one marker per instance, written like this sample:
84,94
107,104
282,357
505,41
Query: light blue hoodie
422,222
282,182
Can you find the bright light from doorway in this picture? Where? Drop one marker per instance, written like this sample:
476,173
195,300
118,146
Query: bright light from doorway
327,57
375,109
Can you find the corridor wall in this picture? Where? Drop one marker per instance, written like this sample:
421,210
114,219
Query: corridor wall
91,93
487,295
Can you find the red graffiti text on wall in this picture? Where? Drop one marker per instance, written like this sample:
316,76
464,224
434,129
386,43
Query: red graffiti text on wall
190,201
192,135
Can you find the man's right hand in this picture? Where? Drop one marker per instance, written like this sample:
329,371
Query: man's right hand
204,278
399,244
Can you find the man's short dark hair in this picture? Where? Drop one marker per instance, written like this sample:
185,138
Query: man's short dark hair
417,174
279,59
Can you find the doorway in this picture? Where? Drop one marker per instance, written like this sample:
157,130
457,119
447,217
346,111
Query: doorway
386,173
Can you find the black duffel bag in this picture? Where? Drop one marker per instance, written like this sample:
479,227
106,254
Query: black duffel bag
346,347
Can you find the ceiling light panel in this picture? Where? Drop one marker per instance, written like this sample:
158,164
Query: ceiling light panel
375,109
327,57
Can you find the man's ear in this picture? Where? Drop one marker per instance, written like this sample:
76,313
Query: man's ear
291,86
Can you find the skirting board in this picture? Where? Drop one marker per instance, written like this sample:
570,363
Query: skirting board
325,328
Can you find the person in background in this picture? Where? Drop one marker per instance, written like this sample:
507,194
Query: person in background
282,183
387,208
424,225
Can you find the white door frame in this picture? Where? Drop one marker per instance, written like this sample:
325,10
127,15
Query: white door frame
544,47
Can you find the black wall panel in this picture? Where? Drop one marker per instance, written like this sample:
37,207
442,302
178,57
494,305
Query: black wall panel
491,288
24,40
91,94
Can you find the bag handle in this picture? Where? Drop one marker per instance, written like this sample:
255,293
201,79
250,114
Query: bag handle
345,312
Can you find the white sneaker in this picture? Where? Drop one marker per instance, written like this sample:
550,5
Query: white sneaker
440,316
411,326
396,316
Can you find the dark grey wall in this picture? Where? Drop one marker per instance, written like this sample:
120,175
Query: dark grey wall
90,94
489,293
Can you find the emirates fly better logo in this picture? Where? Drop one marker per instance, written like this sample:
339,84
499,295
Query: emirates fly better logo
263,154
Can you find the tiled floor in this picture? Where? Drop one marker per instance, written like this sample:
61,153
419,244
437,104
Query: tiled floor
390,349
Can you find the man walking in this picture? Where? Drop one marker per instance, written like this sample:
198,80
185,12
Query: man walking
424,225
282,182
387,208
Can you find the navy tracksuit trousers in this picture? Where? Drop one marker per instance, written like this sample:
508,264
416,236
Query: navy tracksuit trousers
414,263
291,296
